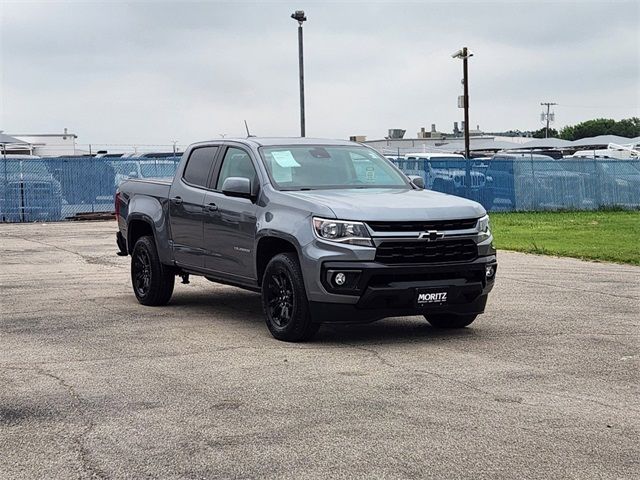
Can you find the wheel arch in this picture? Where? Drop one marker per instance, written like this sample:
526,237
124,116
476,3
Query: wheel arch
269,246
139,225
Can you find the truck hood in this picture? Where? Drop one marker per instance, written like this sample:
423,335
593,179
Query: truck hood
378,204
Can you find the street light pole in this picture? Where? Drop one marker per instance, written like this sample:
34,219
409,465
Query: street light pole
465,80
464,54
300,17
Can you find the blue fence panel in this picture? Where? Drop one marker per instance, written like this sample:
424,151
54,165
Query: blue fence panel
51,189
48,189
529,184
449,175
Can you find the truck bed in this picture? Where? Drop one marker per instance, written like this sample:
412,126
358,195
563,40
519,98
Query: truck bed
154,187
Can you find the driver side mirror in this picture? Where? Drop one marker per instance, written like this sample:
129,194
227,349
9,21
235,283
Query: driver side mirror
237,187
417,181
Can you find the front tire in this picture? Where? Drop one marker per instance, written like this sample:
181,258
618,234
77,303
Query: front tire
284,300
450,321
152,281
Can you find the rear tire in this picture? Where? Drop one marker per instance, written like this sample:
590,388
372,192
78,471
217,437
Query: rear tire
450,321
151,280
284,300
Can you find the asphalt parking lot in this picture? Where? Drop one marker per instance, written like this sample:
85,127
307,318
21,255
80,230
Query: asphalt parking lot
94,385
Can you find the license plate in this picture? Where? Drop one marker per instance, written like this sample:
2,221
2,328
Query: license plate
431,297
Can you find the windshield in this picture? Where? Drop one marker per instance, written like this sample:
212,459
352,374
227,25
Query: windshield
125,168
551,166
446,162
319,167
619,168
12,167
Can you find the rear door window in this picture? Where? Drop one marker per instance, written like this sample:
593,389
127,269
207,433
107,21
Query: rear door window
198,167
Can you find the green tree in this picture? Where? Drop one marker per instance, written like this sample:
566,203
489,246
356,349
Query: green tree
628,127
541,133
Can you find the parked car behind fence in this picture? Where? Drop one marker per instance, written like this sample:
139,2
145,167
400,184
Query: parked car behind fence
28,192
447,173
532,182
608,182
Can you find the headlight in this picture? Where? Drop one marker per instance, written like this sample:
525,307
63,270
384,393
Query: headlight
483,226
353,233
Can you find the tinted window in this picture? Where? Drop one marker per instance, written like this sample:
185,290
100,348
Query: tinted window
236,163
199,165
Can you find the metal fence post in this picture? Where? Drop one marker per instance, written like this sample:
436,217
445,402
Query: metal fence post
598,192
533,184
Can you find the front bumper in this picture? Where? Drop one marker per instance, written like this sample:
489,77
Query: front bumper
379,291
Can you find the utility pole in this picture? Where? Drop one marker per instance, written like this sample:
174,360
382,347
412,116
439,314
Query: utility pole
547,116
300,17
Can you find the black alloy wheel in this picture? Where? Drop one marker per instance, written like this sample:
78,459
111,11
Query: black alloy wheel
284,300
152,281
280,300
141,272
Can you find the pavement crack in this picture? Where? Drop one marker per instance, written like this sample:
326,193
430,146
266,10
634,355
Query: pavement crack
89,259
78,439
49,245
386,362
18,366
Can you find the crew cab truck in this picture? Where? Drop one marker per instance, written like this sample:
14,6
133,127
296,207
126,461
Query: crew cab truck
326,230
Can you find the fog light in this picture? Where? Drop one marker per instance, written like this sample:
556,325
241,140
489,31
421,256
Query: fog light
490,271
339,279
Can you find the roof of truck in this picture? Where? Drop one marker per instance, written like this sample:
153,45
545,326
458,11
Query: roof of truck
276,141
430,155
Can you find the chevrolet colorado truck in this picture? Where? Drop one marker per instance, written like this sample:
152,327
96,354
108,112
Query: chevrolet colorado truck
325,230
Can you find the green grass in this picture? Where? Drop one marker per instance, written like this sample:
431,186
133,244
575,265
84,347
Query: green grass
610,235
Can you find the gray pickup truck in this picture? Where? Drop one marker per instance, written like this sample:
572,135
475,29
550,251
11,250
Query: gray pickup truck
326,230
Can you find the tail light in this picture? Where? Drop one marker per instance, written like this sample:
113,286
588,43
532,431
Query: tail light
117,205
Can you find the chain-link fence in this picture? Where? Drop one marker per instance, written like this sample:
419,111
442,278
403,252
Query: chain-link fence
532,182
51,189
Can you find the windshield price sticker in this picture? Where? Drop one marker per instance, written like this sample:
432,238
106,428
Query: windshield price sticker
285,159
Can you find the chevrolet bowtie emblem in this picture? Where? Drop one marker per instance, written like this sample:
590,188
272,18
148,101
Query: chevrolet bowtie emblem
431,235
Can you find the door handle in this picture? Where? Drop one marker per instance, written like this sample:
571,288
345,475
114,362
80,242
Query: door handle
212,207
176,201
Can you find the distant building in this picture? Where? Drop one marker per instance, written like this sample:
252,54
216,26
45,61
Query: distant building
358,138
432,134
450,144
49,144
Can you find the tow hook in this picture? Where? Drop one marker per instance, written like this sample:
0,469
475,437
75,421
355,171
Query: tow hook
185,278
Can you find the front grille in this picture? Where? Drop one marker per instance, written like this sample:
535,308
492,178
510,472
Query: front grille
423,226
427,252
